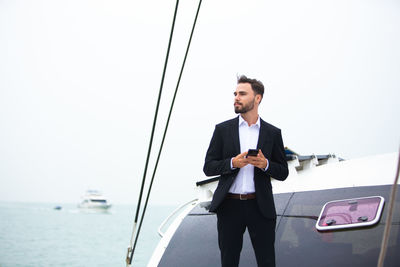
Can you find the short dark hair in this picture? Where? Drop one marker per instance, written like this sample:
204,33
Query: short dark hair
256,85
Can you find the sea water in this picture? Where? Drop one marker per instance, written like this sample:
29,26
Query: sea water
36,234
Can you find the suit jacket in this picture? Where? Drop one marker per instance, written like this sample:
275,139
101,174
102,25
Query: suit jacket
225,145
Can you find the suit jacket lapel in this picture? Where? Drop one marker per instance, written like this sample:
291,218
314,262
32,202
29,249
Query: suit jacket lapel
235,135
263,137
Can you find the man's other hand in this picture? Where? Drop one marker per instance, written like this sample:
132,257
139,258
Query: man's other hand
240,160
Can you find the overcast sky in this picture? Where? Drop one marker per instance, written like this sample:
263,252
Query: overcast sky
79,81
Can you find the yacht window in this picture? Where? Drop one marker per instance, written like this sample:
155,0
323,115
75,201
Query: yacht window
99,200
347,213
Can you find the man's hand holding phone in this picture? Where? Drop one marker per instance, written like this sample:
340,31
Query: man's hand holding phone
256,158
253,156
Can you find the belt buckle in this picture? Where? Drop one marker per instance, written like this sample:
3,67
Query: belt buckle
242,198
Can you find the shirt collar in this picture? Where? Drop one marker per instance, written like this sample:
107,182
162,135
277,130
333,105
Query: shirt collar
241,121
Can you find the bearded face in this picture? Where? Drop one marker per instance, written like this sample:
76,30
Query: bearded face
243,107
245,98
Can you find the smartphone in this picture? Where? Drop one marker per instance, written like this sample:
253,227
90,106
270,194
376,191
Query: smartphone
252,152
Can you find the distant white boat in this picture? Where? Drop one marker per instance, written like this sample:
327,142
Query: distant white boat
93,199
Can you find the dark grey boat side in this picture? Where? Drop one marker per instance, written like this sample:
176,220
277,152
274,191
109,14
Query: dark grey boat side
298,242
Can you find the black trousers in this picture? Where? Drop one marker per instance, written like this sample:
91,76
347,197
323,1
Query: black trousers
234,216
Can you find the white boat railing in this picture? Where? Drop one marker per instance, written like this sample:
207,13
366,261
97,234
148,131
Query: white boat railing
171,215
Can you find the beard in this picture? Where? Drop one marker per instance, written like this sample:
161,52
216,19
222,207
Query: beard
244,108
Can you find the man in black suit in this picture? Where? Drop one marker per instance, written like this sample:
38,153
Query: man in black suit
243,198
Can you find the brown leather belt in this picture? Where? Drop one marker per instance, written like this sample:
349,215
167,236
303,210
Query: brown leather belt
242,196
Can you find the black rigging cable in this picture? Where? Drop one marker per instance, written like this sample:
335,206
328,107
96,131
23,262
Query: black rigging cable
131,248
130,257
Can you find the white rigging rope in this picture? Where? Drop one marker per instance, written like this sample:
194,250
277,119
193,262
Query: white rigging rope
386,233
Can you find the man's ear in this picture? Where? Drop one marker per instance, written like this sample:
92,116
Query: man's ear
258,98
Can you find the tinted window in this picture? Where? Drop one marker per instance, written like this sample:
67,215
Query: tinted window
350,213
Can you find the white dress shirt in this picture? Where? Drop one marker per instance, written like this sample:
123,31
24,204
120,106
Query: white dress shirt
248,137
